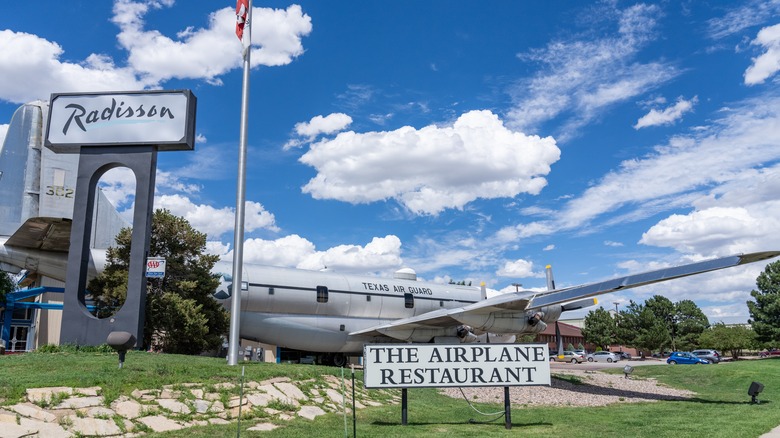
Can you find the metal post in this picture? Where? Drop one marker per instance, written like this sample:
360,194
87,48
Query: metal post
238,235
404,406
507,409
354,414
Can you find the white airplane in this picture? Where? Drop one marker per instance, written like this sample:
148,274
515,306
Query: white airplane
337,314
322,312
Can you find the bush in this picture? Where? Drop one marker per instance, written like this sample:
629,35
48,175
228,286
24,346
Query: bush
73,348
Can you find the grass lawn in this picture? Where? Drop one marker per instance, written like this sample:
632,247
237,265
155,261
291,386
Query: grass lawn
721,408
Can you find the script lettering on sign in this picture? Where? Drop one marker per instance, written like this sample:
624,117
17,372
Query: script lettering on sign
425,365
165,119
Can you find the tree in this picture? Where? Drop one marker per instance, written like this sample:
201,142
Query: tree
599,328
659,324
641,328
729,338
180,312
689,322
765,307
6,286
663,310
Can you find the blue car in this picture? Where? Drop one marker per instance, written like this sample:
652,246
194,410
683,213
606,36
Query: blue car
684,358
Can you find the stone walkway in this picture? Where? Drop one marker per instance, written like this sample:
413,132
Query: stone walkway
70,412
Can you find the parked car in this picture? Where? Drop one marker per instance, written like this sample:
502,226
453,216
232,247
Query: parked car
568,356
711,356
624,355
685,358
582,353
603,356
770,352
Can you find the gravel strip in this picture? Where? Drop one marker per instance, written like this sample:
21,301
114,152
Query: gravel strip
595,389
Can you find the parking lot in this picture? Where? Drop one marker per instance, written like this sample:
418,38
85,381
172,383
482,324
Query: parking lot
604,365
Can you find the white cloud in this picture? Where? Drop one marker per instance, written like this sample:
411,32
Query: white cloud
216,221
382,254
766,65
585,77
286,251
212,51
740,216
433,168
323,125
118,184
668,115
518,269
318,125
549,247
612,243
744,15
684,171
32,67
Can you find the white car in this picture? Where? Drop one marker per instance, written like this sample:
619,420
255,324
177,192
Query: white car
603,356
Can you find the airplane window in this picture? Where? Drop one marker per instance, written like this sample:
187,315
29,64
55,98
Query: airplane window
409,301
322,294
270,291
368,297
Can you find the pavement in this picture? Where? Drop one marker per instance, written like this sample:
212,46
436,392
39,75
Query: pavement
774,433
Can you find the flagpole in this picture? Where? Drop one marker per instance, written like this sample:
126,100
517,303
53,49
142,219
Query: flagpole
238,236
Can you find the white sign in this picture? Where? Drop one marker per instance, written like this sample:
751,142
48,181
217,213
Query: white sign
155,267
161,118
441,365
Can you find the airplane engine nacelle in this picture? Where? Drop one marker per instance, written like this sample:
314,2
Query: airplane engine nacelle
513,322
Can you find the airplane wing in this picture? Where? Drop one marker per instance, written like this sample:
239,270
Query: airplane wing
43,233
521,301
517,301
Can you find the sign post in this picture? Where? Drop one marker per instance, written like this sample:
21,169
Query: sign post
109,130
455,365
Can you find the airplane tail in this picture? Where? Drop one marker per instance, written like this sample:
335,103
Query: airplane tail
37,193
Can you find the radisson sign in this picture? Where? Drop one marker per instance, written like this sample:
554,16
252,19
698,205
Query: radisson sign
165,119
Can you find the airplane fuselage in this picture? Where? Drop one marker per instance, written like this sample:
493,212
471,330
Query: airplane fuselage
316,311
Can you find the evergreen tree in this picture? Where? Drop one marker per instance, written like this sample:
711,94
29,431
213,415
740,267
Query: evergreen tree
690,322
6,286
599,328
180,312
764,308
641,328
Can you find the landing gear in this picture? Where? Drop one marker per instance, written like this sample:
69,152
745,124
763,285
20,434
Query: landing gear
335,359
339,360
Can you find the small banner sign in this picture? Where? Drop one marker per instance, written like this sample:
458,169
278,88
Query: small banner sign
443,365
155,267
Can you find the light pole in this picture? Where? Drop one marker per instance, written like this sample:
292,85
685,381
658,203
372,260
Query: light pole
616,322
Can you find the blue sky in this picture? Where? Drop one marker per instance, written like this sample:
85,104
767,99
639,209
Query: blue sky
466,140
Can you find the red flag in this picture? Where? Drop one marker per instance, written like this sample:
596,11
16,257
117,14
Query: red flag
242,7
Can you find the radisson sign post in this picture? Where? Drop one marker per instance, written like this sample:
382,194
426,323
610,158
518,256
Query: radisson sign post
455,365
109,130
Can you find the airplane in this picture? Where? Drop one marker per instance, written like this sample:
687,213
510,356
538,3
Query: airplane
328,313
